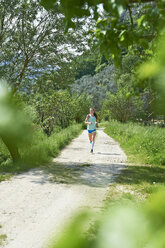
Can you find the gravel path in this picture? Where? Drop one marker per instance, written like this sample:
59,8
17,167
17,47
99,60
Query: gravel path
36,204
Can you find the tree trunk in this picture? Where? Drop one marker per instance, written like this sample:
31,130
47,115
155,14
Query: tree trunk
13,149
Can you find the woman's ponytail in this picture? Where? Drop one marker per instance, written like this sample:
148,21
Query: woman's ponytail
95,114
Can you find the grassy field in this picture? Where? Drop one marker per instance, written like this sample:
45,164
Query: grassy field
40,151
136,184
142,144
145,173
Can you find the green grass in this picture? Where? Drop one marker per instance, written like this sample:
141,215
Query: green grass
136,183
142,144
40,151
145,147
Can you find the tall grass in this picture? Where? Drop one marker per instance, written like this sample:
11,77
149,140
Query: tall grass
142,144
40,150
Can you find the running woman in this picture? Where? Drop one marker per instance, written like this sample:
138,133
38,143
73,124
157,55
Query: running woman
91,121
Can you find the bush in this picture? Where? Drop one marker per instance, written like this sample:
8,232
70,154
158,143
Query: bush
121,108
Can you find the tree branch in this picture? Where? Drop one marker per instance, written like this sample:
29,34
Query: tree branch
130,15
21,75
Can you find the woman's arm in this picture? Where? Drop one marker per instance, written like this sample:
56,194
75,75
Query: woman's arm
86,120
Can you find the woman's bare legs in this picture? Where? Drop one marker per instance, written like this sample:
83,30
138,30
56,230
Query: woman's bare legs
90,137
93,136
93,140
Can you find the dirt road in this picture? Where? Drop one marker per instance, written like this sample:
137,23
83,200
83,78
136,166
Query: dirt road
36,204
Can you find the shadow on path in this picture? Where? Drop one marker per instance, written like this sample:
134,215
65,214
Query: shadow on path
112,154
94,175
139,174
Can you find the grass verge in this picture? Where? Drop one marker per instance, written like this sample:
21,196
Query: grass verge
142,144
40,151
136,183
145,148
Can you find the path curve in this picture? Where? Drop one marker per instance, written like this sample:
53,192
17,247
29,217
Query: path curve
34,206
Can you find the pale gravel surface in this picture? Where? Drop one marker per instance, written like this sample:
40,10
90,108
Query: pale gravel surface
33,207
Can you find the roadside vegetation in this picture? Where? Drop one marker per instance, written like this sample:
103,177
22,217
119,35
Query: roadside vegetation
39,151
142,144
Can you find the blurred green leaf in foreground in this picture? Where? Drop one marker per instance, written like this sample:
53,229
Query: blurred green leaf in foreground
15,128
152,73
125,225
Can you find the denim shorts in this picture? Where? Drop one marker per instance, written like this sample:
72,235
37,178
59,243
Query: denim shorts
91,131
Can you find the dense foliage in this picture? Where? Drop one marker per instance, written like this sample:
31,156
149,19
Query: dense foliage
120,24
33,42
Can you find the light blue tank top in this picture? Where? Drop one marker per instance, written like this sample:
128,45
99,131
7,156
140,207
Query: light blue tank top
93,125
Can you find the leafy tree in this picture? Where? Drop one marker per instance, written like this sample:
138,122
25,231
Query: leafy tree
152,73
62,78
55,108
33,41
88,63
120,24
121,108
81,104
121,105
